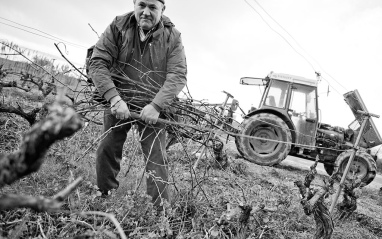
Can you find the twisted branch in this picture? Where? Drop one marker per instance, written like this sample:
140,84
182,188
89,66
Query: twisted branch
60,123
313,202
29,116
352,191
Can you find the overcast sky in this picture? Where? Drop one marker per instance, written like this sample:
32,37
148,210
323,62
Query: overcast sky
225,40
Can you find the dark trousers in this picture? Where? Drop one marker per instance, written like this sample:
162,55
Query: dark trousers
109,155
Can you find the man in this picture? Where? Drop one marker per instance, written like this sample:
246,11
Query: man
145,48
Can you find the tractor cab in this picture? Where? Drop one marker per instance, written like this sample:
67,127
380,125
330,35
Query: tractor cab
293,99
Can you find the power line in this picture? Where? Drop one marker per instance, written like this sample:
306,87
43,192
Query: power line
74,44
265,21
37,50
300,46
32,29
311,65
48,36
28,31
331,86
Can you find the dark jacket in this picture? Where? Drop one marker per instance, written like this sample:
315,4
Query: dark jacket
115,53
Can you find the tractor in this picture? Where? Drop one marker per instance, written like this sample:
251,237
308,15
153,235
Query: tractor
287,122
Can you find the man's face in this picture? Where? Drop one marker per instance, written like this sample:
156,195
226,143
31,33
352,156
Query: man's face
148,12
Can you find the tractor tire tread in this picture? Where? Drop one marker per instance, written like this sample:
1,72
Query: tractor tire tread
241,144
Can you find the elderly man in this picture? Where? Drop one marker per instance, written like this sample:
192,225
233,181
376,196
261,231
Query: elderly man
146,50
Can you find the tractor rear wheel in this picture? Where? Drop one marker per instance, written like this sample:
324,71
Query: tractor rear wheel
271,140
363,167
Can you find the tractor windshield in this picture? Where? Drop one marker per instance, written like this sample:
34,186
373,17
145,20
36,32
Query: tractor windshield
277,94
303,101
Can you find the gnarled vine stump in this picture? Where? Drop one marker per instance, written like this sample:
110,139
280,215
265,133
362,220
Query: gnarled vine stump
60,123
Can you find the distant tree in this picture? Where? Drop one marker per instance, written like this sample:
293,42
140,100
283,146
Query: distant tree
42,61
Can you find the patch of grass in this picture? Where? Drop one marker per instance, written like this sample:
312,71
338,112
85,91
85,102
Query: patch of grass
199,199
193,209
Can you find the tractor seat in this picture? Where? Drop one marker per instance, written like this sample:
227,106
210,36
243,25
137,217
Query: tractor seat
271,100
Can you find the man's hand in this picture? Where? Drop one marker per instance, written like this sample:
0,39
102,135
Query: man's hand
149,114
119,108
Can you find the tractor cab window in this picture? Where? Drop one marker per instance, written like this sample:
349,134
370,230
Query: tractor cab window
277,94
303,101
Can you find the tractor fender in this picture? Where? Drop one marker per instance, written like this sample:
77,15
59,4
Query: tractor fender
280,113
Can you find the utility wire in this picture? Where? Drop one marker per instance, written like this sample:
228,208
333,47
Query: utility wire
311,65
48,36
307,60
31,49
74,44
28,31
300,46
331,85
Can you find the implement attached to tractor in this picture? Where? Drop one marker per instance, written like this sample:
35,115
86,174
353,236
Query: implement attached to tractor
287,123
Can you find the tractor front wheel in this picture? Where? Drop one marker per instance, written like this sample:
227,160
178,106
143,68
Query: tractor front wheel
265,139
363,167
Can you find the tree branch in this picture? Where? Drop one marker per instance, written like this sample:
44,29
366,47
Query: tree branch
111,218
29,116
12,84
70,62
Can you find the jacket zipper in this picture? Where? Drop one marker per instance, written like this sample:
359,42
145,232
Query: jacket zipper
141,64
151,57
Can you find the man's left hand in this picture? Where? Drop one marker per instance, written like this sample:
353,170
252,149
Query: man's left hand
149,114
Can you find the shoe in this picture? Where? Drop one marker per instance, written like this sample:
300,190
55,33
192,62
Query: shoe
103,194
